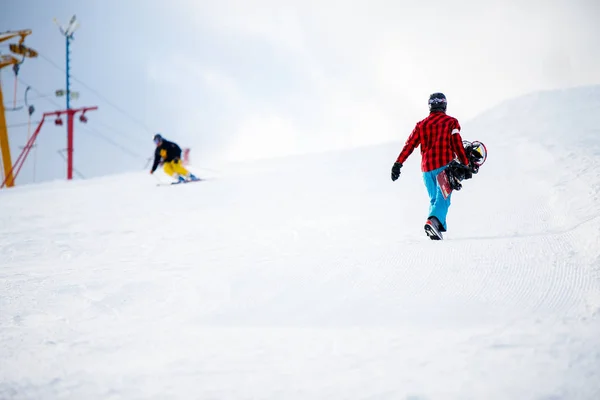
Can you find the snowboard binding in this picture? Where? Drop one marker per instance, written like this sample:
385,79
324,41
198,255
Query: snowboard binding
476,153
450,179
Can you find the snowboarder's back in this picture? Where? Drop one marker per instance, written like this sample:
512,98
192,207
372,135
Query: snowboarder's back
439,137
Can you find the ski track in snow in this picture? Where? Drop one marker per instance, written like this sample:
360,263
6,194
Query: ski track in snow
302,278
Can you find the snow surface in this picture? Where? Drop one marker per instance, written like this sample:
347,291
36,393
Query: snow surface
310,277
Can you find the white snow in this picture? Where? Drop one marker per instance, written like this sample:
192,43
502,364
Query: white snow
310,277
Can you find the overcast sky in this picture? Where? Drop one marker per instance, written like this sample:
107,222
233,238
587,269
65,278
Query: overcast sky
238,79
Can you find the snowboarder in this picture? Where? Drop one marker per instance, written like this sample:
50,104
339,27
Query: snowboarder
169,154
440,140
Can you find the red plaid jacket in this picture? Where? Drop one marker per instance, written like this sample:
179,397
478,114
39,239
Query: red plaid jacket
440,140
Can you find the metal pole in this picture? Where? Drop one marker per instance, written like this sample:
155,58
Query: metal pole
69,144
68,38
68,33
4,146
23,156
69,116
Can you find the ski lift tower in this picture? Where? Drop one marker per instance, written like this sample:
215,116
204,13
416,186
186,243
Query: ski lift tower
68,32
5,60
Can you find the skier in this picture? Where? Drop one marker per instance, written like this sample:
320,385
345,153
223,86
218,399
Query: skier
169,154
440,140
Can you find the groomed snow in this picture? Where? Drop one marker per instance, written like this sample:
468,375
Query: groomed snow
310,277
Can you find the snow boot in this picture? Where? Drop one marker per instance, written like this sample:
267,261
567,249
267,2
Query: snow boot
437,223
432,230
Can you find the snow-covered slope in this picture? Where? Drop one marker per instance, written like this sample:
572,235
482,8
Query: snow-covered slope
311,278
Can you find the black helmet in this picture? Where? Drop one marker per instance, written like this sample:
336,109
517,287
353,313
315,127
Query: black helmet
157,138
437,102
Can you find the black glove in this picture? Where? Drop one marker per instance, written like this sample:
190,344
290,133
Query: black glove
396,170
463,172
459,171
468,173
474,168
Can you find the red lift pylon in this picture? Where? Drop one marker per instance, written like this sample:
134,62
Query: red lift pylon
14,171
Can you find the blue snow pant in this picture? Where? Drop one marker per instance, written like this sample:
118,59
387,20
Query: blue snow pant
438,206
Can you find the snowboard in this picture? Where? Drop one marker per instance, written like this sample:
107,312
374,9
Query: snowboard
444,184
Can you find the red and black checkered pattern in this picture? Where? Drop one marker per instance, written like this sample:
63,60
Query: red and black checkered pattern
440,140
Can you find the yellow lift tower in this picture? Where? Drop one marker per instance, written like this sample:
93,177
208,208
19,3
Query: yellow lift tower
5,60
